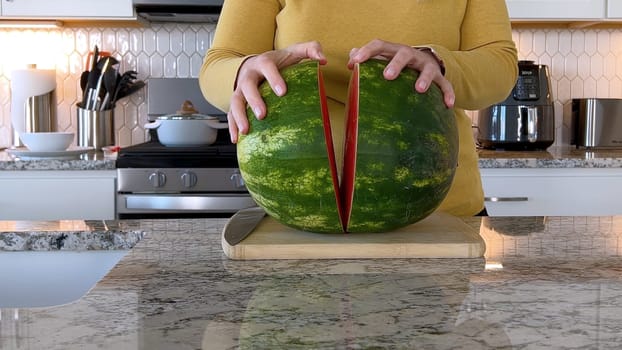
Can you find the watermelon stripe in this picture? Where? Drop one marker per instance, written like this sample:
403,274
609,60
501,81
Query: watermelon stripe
400,152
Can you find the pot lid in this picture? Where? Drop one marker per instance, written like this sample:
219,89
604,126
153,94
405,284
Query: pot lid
187,112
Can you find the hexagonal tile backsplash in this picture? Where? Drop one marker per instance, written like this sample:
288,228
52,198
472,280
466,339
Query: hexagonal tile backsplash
583,63
163,50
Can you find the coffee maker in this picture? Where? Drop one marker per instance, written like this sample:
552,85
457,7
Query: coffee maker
525,120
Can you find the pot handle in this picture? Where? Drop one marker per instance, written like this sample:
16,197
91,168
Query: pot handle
216,124
153,125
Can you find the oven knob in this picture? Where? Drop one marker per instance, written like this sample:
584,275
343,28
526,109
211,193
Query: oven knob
157,179
188,179
237,180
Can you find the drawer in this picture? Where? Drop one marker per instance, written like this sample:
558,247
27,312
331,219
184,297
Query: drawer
57,195
553,192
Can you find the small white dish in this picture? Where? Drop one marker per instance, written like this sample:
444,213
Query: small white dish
47,141
26,154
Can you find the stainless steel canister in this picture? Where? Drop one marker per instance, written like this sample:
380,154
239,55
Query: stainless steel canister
95,128
39,116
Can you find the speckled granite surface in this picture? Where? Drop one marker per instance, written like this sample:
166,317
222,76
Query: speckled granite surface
87,161
553,157
545,283
68,235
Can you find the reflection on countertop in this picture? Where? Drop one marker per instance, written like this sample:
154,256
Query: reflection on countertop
545,283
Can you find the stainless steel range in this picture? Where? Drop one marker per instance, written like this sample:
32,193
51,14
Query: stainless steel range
156,180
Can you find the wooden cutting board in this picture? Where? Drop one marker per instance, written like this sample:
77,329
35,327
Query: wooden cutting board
438,236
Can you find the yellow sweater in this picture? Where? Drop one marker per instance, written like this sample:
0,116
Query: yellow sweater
473,38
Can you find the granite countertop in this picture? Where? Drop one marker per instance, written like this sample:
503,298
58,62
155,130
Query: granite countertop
86,161
553,157
545,283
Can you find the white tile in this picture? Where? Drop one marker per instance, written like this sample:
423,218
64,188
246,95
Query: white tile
149,42
596,66
583,65
163,42
123,42
109,40
156,68
177,42
589,88
136,41
189,42
196,61
609,65
577,42
183,66
603,42
131,116
552,42
602,87
142,64
563,90
576,88
615,88
170,65
590,42
70,90
539,43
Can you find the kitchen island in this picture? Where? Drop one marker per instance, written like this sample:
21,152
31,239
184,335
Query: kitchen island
544,283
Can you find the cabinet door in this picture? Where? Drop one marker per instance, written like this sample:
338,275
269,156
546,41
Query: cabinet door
67,9
57,195
556,9
553,192
614,9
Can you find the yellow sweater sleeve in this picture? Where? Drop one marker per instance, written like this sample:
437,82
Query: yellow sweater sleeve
245,27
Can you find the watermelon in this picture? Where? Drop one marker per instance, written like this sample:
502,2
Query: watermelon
400,152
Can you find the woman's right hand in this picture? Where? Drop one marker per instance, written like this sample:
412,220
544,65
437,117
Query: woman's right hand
254,71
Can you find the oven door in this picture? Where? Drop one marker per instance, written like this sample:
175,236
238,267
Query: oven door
139,205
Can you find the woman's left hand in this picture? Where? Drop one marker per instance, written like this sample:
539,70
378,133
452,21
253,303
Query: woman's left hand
401,56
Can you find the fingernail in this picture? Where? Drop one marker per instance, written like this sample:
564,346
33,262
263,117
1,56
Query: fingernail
279,90
257,111
390,72
451,101
421,86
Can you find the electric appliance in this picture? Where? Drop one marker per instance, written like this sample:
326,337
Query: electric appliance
596,122
154,180
188,11
525,119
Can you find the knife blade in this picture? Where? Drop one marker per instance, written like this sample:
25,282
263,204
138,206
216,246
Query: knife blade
242,223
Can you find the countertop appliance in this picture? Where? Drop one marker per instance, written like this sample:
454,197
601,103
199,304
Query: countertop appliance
196,181
596,123
188,11
525,119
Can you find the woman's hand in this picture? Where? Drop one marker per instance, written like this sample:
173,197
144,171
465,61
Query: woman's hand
254,71
401,56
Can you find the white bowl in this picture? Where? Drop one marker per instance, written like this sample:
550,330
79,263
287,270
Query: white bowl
47,141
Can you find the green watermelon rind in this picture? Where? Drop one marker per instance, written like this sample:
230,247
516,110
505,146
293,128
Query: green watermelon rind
405,163
284,163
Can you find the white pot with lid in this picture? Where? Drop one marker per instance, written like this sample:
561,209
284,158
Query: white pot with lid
187,127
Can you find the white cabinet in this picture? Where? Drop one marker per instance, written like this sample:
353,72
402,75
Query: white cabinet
614,9
553,191
558,9
57,195
69,9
